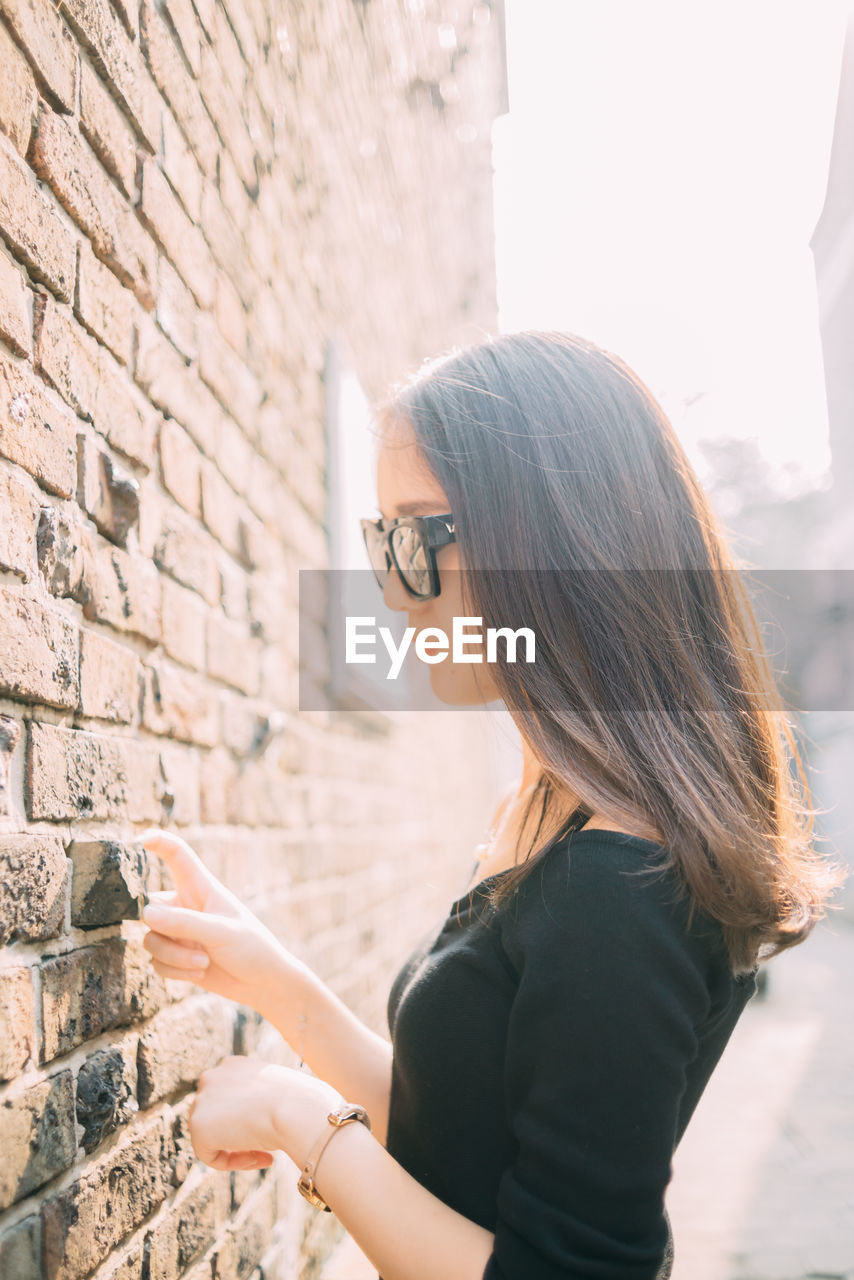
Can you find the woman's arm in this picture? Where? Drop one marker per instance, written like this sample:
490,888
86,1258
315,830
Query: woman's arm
335,1044
405,1231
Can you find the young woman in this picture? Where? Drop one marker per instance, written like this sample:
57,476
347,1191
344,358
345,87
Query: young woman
551,1037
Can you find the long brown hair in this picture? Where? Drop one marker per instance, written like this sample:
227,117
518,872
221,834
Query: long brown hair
651,699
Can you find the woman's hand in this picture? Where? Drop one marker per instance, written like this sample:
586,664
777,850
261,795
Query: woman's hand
200,932
246,1109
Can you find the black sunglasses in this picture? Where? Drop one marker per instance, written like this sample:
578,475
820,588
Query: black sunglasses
409,543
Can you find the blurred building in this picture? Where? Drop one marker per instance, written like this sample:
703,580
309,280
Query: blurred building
832,243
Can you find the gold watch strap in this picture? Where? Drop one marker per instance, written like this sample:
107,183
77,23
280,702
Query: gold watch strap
343,1114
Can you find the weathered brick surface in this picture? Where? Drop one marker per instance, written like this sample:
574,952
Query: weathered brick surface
36,431
109,134
18,1040
34,884
19,515
61,157
119,61
194,196
32,225
85,1221
106,1091
103,305
21,1250
37,1136
179,1044
92,989
74,774
91,381
109,678
49,45
107,492
38,651
109,882
16,307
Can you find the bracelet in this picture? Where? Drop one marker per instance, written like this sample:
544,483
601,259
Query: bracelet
341,1115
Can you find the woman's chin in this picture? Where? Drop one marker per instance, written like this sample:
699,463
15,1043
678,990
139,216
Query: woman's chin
457,688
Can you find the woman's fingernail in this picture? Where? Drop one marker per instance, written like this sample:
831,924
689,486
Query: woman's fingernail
152,914
201,960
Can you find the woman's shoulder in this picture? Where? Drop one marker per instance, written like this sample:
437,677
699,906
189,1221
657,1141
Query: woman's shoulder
613,886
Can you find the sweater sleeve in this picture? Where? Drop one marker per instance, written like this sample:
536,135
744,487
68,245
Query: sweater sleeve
601,1029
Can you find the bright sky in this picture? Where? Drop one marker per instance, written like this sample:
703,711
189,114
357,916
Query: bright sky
657,181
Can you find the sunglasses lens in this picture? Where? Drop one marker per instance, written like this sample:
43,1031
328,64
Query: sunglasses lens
411,559
374,541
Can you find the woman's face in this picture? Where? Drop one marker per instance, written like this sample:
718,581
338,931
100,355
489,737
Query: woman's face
405,486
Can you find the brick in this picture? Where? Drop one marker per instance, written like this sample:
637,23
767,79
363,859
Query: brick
104,305
60,547
89,378
232,654
182,240
61,157
10,732
249,1239
233,591
17,95
34,885
119,60
186,551
231,316
19,514
121,590
35,432
178,704
182,773
107,492
95,989
16,308
185,25
109,882
18,1041
189,1227
21,1250
226,107
38,652
49,45
217,773
179,466
109,135
32,227
84,1223
183,625
176,311
109,678
234,385
174,388
222,510
178,87
225,241
71,773
181,167
181,1042
106,1092
37,1136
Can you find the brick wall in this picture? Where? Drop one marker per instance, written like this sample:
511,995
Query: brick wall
194,194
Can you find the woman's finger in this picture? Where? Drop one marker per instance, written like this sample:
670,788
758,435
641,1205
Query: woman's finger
195,926
176,954
169,971
186,867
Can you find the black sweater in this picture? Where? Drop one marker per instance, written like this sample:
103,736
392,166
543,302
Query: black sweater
548,1055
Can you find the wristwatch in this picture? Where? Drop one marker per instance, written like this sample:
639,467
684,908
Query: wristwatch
343,1114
